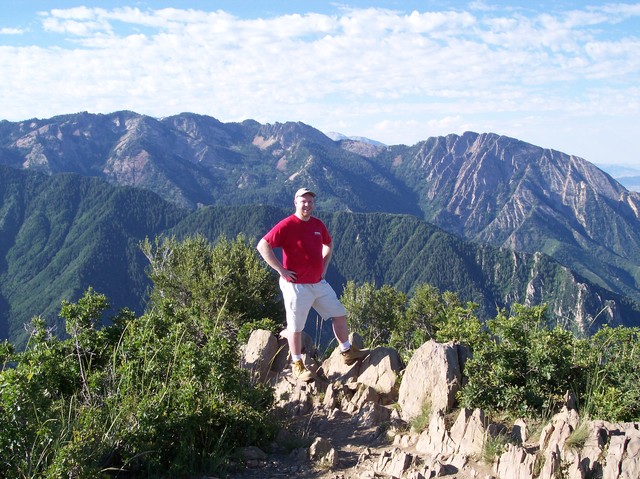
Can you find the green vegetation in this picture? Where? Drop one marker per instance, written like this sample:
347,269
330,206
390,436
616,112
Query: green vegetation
156,395
493,447
578,437
421,421
520,366
162,393
61,234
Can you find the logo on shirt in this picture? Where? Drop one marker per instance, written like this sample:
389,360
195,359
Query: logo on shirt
317,233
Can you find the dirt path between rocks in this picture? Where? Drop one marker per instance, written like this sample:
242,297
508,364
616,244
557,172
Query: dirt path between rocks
358,449
355,446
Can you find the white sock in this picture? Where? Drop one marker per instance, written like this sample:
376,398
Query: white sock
296,357
345,346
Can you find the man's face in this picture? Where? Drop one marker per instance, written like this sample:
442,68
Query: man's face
304,206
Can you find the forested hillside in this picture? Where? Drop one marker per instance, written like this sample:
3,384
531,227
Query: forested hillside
60,234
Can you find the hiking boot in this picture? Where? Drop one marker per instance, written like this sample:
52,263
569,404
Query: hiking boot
353,354
301,373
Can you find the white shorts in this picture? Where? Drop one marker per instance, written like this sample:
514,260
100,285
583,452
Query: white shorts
300,298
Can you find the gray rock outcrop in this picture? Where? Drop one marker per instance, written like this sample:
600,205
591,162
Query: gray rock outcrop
367,392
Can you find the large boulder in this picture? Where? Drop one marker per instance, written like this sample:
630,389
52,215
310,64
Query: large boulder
268,358
334,367
259,354
431,380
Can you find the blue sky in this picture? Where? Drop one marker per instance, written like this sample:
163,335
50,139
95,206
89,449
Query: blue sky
562,75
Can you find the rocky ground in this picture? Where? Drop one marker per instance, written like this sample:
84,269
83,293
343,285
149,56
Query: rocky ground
333,444
354,422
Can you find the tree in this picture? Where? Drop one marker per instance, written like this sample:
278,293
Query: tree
612,386
195,275
431,315
155,395
373,313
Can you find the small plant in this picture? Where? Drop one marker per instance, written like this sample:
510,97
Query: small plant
493,447
578,436
265,323
421,421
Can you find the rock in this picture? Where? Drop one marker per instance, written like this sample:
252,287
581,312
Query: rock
362,395
552,463
435,440
594,446
380,371
323,453
559,429
373,414
399,464
292,397
519,432
358,399
252,453
282,359
433,377
515,463
631,459
335,369
393,463
260,352
468,432
614,457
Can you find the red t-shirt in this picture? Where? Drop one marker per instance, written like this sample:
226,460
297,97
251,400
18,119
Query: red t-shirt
301,243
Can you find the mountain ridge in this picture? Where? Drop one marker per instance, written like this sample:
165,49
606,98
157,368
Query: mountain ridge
483,187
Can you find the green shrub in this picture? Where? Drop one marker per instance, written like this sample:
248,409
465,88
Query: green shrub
157,395
374,313
266,323
578,436
493,447
421,421
523,367
612,385
205,278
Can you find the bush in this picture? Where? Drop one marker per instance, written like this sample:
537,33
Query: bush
205,278
612,385
265,323
157,395
523,367
373,313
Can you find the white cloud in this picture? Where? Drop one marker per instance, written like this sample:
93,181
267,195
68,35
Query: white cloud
12,31
388,75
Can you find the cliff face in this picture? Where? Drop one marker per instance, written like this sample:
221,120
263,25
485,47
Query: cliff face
505,192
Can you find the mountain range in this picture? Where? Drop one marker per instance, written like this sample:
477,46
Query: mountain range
485,190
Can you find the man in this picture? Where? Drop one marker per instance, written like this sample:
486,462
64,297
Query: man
306,252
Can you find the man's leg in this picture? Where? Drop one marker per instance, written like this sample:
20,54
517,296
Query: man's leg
328,305
340,330
350,353
295,342
297,302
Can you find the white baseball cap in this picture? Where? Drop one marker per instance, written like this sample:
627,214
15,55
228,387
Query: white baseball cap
304,191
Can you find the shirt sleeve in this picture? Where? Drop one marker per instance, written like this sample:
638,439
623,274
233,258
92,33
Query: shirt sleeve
275,235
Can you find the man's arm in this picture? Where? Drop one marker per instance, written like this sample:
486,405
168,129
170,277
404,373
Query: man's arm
327,251
266,251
